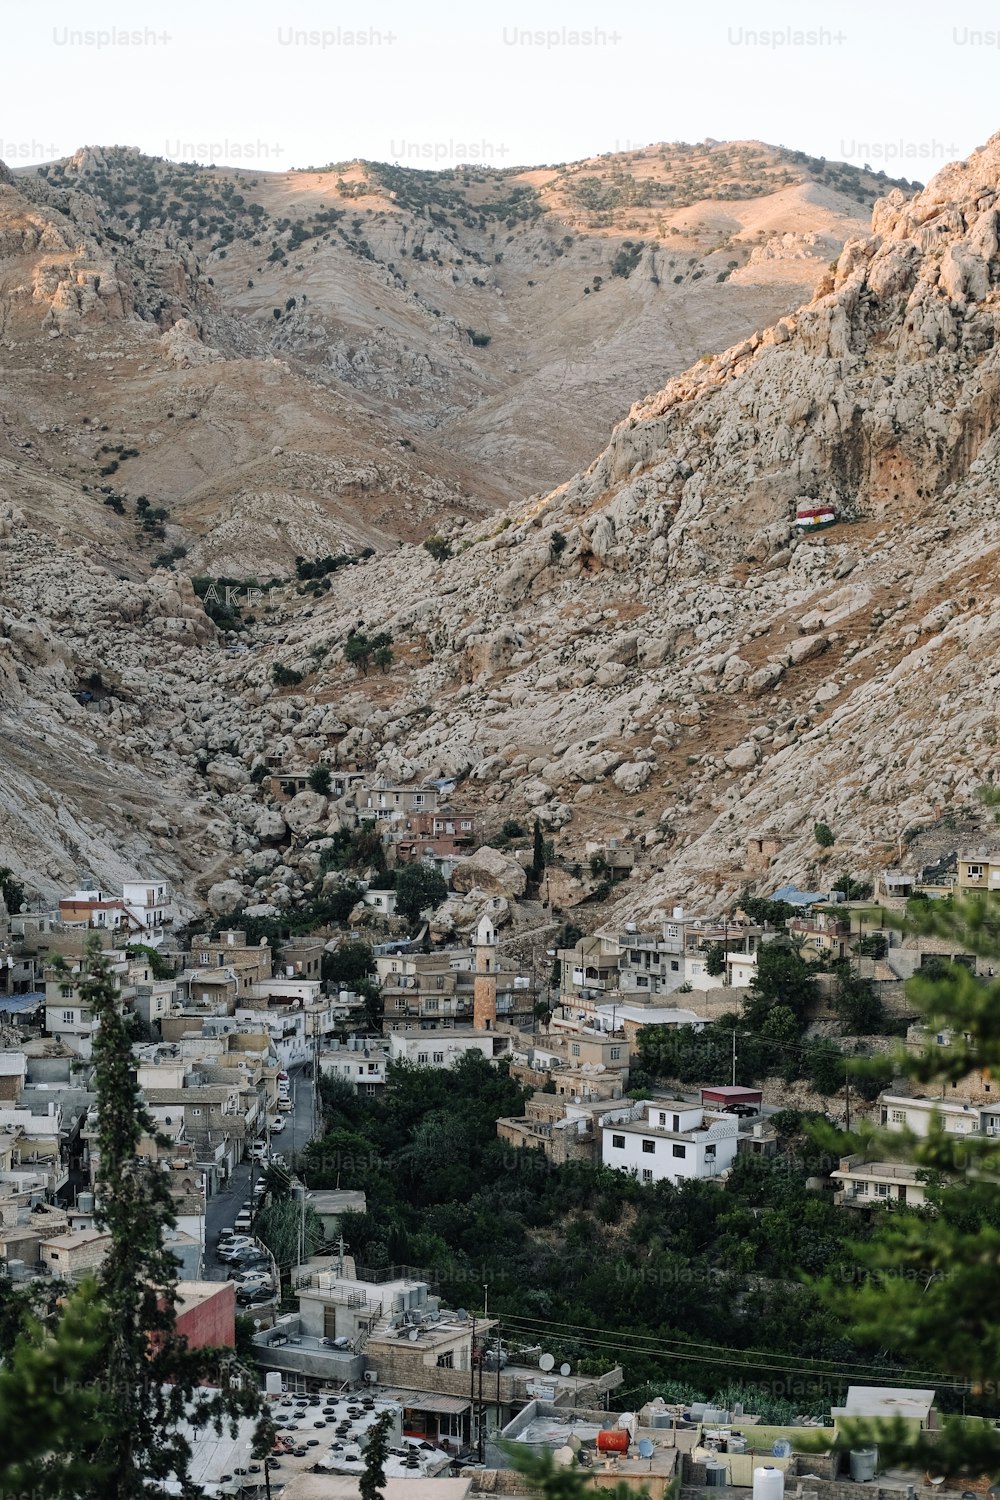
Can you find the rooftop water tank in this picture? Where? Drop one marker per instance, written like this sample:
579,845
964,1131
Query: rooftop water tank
272,1382
85,1202
863,1463
716,1474
768,1483
616,1440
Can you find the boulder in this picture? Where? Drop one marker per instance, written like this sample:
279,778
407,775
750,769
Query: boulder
306,810
491,871
270,827
632,776
742,757
225,895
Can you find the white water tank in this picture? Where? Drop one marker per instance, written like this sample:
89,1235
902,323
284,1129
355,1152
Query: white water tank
768,1483
272,1382
863,1464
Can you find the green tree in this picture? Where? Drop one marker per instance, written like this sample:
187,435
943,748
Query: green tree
439,547
537,867
358,651
927,1285
419,887
50,1446
857,1003
320,780
715,960
372,1482
782,977
824,836
159,967
11,890
348,964
290,1233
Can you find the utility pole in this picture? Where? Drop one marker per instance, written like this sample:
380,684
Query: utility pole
472,1374
734,1057
847,1094
482,1452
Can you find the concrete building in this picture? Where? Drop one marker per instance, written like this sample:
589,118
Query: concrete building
443,1049
360,1061
865,1184
956,1117
660,1141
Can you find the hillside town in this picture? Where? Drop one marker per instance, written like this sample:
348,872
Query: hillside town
238,1036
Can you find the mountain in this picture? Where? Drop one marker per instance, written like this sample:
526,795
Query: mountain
643,651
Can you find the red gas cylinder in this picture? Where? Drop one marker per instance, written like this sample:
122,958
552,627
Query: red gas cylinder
615,1441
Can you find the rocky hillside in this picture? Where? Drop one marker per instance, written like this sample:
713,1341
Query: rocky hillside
648,651
316,361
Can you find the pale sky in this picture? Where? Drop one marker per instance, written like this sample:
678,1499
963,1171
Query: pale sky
901,86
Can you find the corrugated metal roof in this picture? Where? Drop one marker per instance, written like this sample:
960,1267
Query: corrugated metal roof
445,1406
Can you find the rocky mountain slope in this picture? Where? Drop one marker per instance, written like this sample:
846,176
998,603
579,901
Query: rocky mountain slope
364,349
647,651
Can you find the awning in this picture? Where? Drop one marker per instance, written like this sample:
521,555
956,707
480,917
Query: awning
443,1406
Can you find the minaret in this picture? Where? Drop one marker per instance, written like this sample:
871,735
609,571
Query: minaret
484,993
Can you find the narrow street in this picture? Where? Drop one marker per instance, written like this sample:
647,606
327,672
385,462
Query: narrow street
221,1210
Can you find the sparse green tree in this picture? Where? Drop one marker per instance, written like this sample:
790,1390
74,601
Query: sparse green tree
372,1482
419,887
319,780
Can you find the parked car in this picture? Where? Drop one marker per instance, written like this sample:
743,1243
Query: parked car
277,1125
229,1249
285,1105
258,1151
249,1297
253,1280
248,1259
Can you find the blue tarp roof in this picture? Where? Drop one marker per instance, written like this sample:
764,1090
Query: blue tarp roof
14,1003
795,897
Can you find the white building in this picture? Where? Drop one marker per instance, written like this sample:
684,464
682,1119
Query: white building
442,1049
382,901
148,904
360,1061
956,1117
287,1029
867,1183
668,1141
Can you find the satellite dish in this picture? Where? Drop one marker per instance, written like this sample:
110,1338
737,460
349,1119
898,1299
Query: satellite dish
546,1362
413,1335
564,1369
645,1447
462,1315
781,1448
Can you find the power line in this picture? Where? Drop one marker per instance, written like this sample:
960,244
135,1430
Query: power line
750,1358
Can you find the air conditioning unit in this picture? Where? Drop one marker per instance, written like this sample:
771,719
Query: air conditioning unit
371,1377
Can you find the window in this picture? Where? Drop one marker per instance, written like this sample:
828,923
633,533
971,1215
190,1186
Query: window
975,872
679,1150
575,1049
446,1361
709,1153
67,1016
618,1142
897,1116
882,1190
649,1147
647,1174
421,1057
439,1057
196,1110
674,965
616,1053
